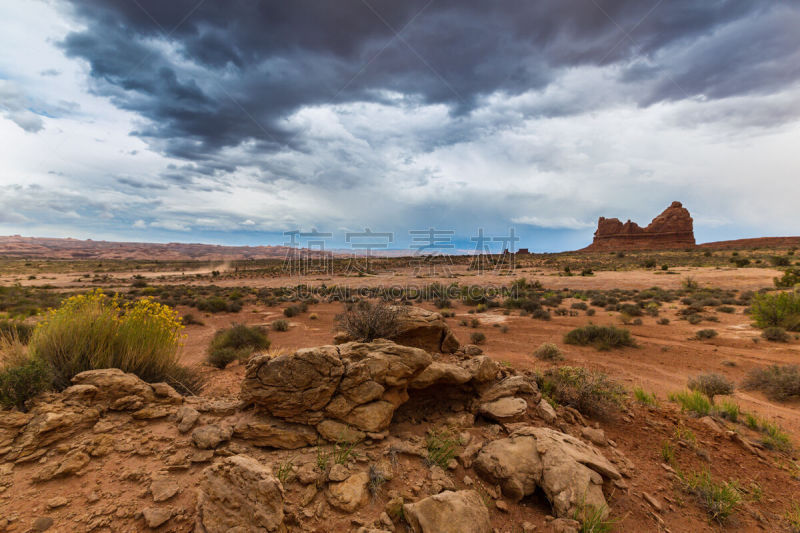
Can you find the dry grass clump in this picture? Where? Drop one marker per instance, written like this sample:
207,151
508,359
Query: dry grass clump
366,321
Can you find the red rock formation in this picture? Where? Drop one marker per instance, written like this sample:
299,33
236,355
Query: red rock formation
671,229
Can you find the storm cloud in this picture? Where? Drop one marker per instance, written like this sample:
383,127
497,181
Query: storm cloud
270,114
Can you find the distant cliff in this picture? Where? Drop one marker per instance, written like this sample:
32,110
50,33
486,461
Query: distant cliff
671,229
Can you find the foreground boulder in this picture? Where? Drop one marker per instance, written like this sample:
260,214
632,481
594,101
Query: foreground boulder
358,384
239,494
449,512
569,471
425,329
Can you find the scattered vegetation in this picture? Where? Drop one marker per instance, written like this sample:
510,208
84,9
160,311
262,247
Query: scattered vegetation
21,376
601,337
705,334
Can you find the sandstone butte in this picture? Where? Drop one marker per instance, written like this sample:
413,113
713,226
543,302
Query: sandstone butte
672,229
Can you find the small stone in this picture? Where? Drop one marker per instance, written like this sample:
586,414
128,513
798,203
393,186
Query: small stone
594,435
43,523
468,481
338,473
546,411
156,516
92,497
58,501
652,501
501,506
527,527
163,489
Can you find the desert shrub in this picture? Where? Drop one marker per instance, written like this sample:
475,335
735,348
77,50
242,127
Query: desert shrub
790,278
17,330
476,337
236,342
694,319
711,385
291,311
726,309
139,284
780,261
474,323
706,334
591,393
541,314
93,331
630,309
367,321
694,402
548,351
189,319
777,382
313,316
280,325
590,312
21,376
780,309
720,500
663,321
579,305
775,334
601,337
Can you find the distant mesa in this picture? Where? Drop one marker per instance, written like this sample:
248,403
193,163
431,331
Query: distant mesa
671,229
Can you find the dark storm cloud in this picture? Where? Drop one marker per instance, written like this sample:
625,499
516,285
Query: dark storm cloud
210,75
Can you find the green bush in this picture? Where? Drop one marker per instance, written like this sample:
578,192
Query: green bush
781,309
236,342
790,278
777,382
23,380
591,393
548,351
92,331
601,337
775,334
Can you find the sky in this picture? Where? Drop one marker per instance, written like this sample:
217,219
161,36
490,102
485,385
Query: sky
234,122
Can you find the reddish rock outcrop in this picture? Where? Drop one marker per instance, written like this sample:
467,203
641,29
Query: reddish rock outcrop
671,229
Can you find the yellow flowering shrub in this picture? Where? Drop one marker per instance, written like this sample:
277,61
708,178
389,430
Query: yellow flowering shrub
93,330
